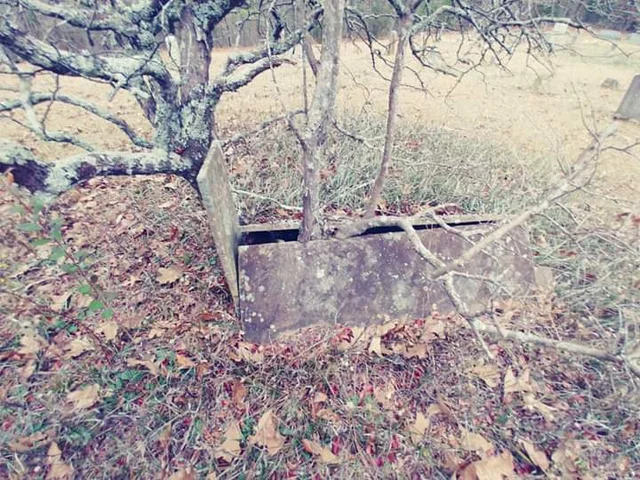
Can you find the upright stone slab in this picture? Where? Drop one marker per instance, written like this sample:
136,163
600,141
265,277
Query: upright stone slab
363,280
630,105
215,189
560,29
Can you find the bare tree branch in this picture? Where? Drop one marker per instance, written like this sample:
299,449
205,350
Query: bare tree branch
110,68
56,177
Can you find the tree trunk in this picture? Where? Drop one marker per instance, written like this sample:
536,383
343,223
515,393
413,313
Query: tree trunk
392,114
320,115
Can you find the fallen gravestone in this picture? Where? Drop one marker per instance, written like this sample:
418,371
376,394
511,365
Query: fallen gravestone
364,280
280,285
630,106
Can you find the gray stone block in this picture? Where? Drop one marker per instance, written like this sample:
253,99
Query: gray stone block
363,280
630,105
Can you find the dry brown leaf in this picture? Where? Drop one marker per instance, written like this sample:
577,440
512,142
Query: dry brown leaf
418,351
250,353
168,275
58,470
156,333
328,415
385,328
513,384
109,330
419,427
324,454
77,347
238,393
60,302
489,374
230,447
537,456
28,370
31,442
386,395
84,397
376,345
497,467
566,458
474,442
531,403
31,343
148,364
267,434
187,473
320,397
184,361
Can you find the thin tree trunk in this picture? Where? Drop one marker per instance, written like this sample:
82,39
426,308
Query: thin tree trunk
320,115
392,114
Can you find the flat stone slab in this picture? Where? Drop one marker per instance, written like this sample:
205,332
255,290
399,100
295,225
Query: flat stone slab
630,105
364,280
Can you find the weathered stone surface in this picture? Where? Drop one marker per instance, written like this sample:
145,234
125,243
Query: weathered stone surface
634,38
560,29
215,189
630,105
361,281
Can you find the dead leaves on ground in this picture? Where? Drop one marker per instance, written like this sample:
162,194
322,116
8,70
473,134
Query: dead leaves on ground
323,454
230,447
168,275
495,467
267,434
58,469
410,339
83,398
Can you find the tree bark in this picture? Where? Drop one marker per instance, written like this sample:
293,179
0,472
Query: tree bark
320,115
56,177
392,115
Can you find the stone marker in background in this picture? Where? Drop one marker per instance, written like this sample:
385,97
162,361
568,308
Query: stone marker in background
609,35
630,105
364,280
215,189
635,38
610,84
560,29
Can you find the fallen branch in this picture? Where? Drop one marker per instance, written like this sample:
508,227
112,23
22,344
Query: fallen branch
566,187
56,177
570,347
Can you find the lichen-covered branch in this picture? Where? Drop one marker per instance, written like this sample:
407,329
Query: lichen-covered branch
98,18
58,176
111,68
